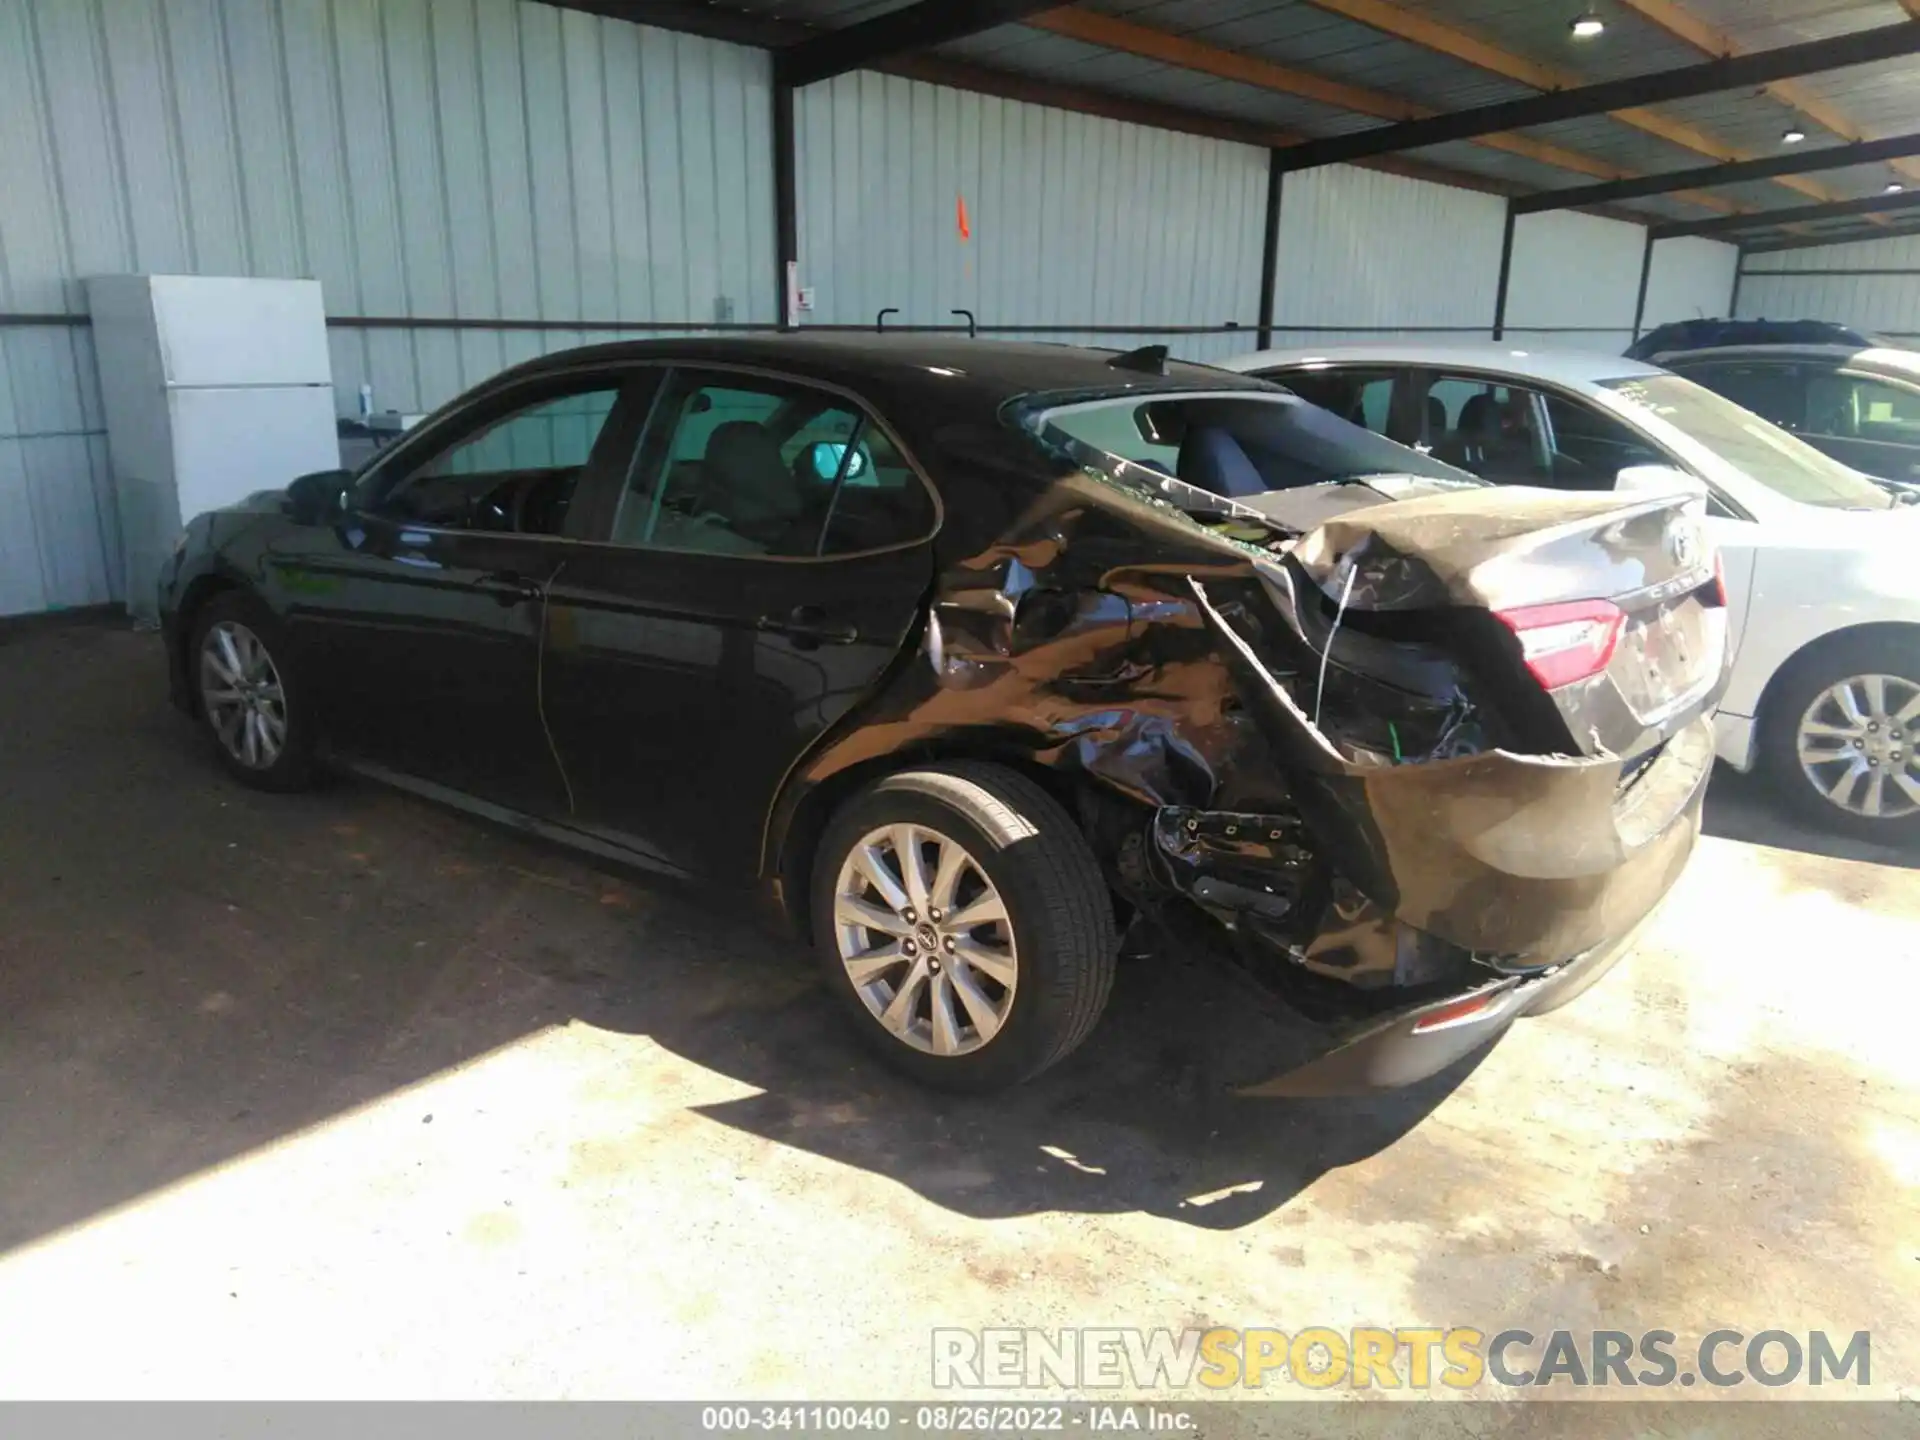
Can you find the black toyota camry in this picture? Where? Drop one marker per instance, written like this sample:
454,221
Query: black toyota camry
972,656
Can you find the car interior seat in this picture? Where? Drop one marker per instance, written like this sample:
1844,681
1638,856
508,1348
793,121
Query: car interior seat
1467,443
1211,459
743,464
744,480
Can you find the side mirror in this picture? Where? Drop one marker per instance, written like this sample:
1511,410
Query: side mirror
1660,480
319,498
824,458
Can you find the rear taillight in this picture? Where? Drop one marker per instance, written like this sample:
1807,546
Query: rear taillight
1719,581
1565,643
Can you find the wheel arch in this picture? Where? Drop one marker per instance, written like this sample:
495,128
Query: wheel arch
1889,632
791,843
192,601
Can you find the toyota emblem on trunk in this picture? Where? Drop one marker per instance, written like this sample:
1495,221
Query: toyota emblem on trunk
1683,546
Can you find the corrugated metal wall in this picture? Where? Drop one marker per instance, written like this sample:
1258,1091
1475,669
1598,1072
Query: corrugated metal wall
1574,280
1836,282
1367,254
1364,254
475,159
1075,221
507,160
1692,279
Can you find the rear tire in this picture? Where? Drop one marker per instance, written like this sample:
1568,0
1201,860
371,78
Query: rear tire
986,1005
1836,742
248,695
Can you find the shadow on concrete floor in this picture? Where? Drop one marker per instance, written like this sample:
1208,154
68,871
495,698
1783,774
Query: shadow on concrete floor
191,970
1739,807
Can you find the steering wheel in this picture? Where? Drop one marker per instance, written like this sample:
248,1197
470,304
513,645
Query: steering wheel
488,512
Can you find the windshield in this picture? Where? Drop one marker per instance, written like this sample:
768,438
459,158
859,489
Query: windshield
1761,450
1231,446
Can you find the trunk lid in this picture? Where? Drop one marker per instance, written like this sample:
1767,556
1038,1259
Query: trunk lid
1435,767
1593,624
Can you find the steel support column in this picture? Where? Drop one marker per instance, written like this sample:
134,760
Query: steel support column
1270,254
1506,273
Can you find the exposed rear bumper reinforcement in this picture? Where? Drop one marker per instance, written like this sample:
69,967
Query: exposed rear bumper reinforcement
1411,1045
1499,853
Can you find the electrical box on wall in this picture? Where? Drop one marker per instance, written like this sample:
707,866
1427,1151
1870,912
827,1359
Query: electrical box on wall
214,389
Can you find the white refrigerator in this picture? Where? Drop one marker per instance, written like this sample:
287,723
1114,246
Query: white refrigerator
213,388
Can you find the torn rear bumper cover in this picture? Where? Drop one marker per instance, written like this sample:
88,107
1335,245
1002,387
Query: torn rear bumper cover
1411,1045
1402,1044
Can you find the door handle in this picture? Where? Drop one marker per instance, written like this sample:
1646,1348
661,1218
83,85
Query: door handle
509,588
807,627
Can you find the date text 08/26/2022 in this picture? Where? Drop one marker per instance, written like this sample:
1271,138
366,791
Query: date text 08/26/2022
962,1419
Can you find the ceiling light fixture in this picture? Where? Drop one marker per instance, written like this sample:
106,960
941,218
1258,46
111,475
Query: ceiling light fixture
1793,137
1586,26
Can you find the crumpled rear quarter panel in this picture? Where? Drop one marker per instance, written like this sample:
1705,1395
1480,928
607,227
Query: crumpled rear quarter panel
1085,641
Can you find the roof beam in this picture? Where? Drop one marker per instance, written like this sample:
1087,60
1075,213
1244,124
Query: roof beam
1112,33
1082,100
694,17
748,28
1420,29
1831,157
1885,42
1033,90
1798,214
1814,242
916,27
1683,25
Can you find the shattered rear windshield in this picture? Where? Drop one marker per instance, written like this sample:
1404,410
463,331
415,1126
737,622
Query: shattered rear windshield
1197,451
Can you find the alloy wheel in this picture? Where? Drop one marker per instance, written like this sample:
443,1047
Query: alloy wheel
925,939
242,695
1857,746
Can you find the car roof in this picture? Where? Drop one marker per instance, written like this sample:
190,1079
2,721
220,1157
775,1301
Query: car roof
914,367
1905,362
1516,358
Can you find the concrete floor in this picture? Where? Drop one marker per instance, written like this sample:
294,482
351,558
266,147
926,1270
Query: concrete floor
343,1095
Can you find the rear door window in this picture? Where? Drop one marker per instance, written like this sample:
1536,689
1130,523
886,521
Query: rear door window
1492,428
1588,448
768,468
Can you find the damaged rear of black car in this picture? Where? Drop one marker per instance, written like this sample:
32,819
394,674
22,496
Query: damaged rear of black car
1418,755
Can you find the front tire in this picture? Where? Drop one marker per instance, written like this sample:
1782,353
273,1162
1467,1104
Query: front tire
963,925
247,695
1840,739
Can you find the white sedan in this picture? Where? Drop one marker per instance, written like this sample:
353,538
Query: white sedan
1822,565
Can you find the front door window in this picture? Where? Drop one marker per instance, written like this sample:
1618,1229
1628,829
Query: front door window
1861,407
512,469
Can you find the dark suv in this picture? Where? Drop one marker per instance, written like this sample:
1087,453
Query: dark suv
1712,334
969,655
1860,405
